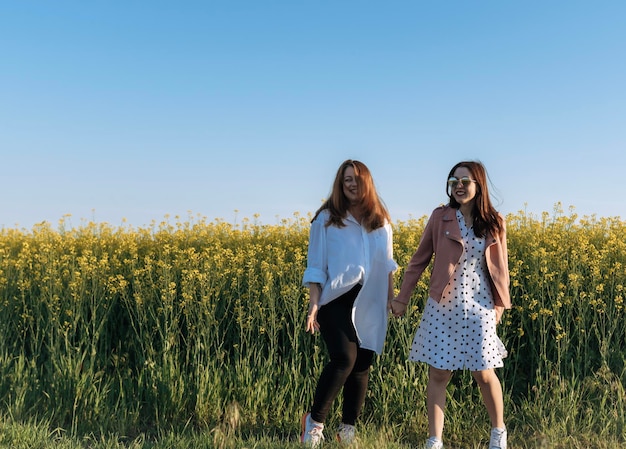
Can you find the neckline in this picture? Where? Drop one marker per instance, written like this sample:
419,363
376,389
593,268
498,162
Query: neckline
461,218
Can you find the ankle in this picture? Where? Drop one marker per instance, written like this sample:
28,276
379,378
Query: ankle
317,423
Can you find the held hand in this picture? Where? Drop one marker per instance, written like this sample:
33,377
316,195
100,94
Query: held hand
311,319
397,308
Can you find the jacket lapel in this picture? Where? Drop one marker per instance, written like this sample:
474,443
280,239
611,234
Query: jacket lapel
450,226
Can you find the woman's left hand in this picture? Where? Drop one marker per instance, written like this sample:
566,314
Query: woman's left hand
499,313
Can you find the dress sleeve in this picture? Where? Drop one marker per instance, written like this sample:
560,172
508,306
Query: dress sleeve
392,266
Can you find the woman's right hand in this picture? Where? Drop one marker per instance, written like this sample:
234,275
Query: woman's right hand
311,319
398,308
315,290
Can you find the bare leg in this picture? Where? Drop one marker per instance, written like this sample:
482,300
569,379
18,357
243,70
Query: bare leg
491,390
436,399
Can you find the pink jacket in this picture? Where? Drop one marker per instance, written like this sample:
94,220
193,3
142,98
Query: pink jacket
442,237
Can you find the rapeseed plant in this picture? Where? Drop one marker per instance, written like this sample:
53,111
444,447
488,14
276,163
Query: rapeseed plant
106,329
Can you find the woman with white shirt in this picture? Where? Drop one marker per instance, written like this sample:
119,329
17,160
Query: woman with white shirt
349,276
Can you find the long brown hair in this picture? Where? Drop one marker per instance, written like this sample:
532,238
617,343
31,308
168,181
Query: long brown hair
372,208
485,216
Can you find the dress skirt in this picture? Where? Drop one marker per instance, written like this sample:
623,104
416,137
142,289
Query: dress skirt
459,332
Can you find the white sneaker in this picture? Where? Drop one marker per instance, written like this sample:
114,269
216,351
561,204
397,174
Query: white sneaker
346,433
498,438
312,432
433,443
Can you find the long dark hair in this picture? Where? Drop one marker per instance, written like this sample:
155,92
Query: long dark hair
372,208
485,216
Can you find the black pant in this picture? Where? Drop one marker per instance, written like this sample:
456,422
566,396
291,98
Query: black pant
349,364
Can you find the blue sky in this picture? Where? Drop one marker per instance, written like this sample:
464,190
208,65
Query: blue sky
133,111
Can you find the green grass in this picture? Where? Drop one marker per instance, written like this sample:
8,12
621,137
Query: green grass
191,335
28,435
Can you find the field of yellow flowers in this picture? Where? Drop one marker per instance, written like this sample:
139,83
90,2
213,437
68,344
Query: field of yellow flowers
196,323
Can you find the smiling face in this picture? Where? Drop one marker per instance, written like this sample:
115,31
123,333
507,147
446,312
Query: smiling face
463,192
351,185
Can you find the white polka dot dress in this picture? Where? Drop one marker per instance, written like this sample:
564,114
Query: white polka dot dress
459,332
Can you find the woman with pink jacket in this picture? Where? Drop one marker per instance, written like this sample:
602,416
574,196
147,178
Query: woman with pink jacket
468,292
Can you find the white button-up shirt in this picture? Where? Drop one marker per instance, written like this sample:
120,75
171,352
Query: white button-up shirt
340,258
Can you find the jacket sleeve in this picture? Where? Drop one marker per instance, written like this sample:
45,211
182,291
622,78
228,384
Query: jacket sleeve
498,265
505,254
505,294
418,263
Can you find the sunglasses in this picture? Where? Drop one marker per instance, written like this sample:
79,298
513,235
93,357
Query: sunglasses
453,182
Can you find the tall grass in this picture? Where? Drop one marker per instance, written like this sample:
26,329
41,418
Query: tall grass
199,325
